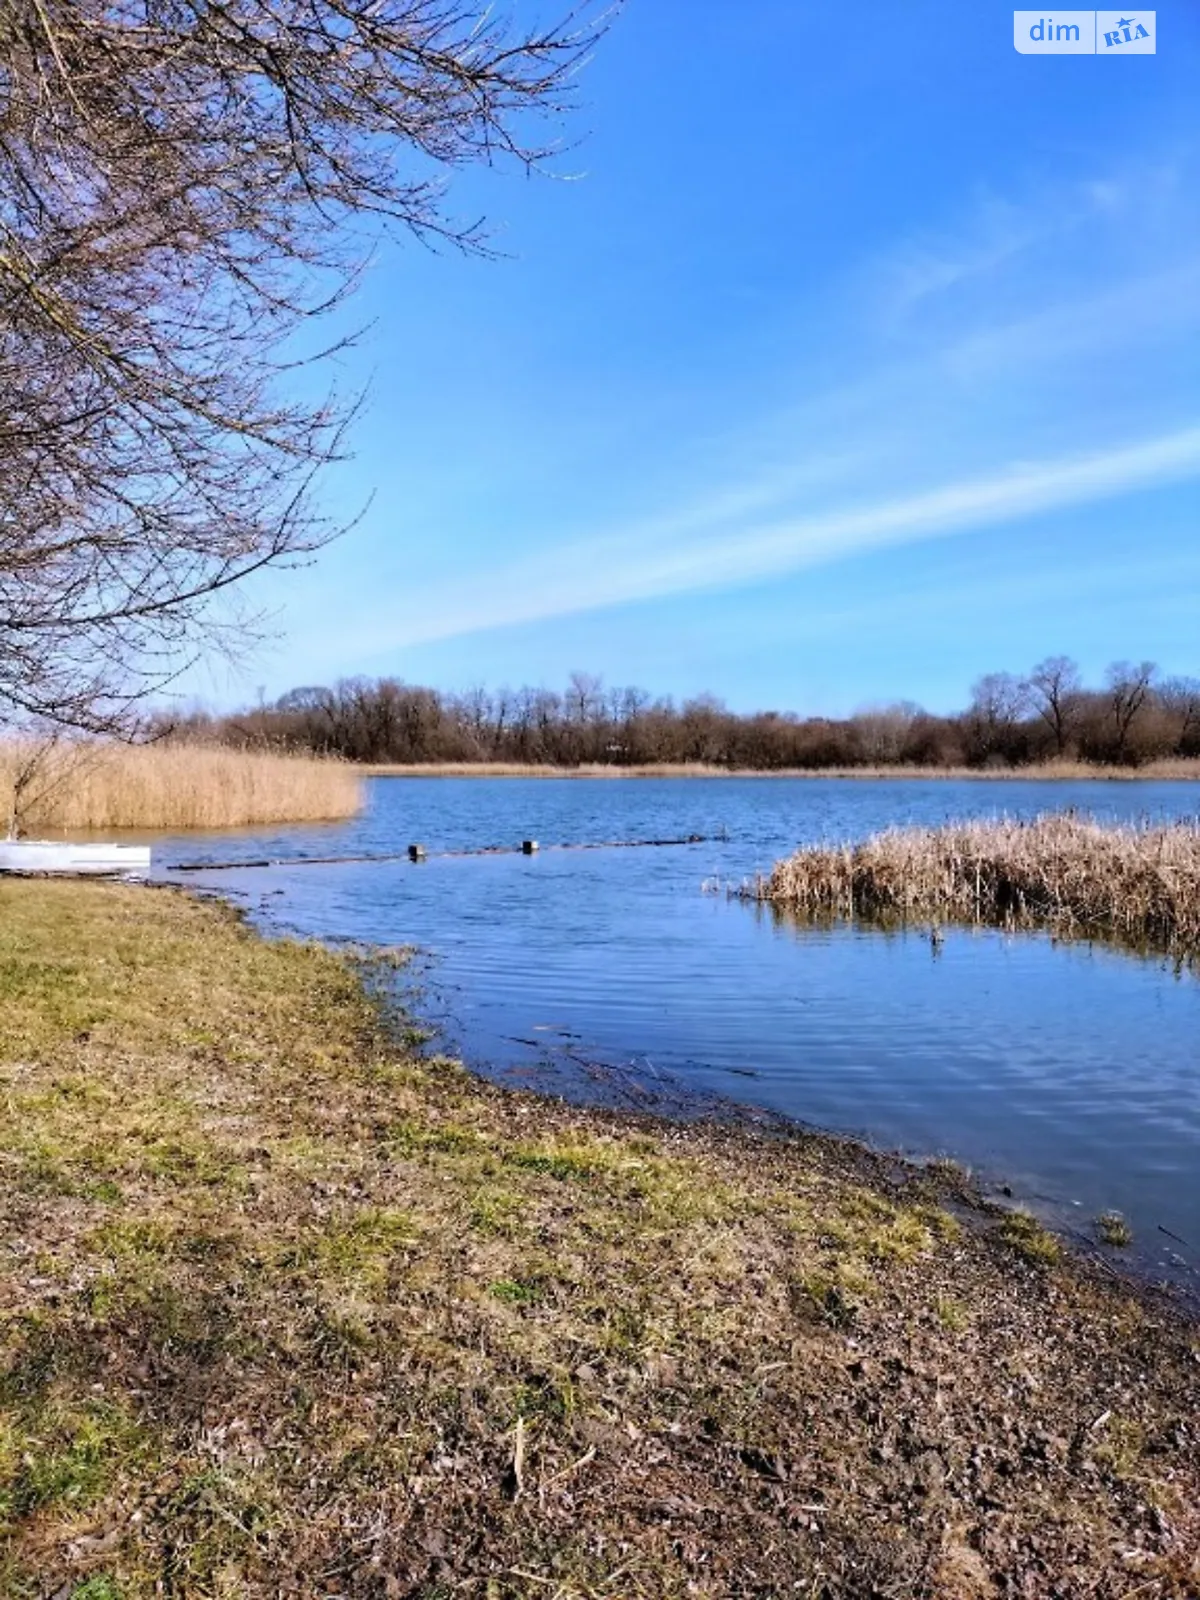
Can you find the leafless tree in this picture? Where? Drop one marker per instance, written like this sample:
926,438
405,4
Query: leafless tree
1054,687
703,724
1180,700
998,703
880,731
1128,688
474,709
185,185
584,697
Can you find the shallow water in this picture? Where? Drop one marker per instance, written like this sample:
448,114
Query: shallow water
1069,1072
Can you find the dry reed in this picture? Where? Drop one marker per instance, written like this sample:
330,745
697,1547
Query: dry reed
1137,884
1167,770
517,769
112,786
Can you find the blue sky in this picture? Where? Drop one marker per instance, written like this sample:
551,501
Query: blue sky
852,355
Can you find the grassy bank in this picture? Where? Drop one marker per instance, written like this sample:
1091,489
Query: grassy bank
107,786
286,1311
1140,885
1047,771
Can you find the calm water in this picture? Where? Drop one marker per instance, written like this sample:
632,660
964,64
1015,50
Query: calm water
1071,1073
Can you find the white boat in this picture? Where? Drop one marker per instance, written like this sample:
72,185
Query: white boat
59,855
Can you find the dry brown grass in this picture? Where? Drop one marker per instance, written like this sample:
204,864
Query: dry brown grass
285,1311
1046,771
516,769
114,786
1138,884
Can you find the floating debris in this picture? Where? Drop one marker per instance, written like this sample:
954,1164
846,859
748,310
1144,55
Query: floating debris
418,852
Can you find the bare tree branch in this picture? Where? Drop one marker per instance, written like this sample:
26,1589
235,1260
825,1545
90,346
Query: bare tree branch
185,185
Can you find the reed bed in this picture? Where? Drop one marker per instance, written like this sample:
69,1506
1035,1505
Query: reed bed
517,769
1137,884
1170,770
90,787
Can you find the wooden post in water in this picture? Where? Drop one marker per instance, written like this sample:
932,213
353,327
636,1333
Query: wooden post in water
416,852
528,846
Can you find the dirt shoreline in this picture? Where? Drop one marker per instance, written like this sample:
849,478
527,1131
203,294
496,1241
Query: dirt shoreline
287,1309
979,1205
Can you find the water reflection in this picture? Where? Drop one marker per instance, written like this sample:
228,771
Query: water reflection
1057,931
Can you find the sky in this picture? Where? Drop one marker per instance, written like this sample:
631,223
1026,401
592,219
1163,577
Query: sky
848,355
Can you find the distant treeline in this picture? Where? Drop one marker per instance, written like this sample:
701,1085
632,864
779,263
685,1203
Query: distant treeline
1134,716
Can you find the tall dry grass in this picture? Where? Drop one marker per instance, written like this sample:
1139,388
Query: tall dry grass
1138,884
1169,769
163,786
518,769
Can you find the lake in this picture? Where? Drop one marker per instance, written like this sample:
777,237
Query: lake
1069,1073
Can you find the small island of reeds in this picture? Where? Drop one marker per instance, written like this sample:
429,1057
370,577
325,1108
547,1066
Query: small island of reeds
1138,884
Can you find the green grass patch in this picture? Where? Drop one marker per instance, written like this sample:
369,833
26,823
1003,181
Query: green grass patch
564,1165
515,1293
98,1587
1114,1230
1026,1235
62,1454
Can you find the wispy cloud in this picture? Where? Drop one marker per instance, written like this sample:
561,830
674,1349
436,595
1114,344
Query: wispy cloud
1000,245
1039,369
589,576
926,266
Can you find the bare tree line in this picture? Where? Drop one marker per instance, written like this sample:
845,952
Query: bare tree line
1136,715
